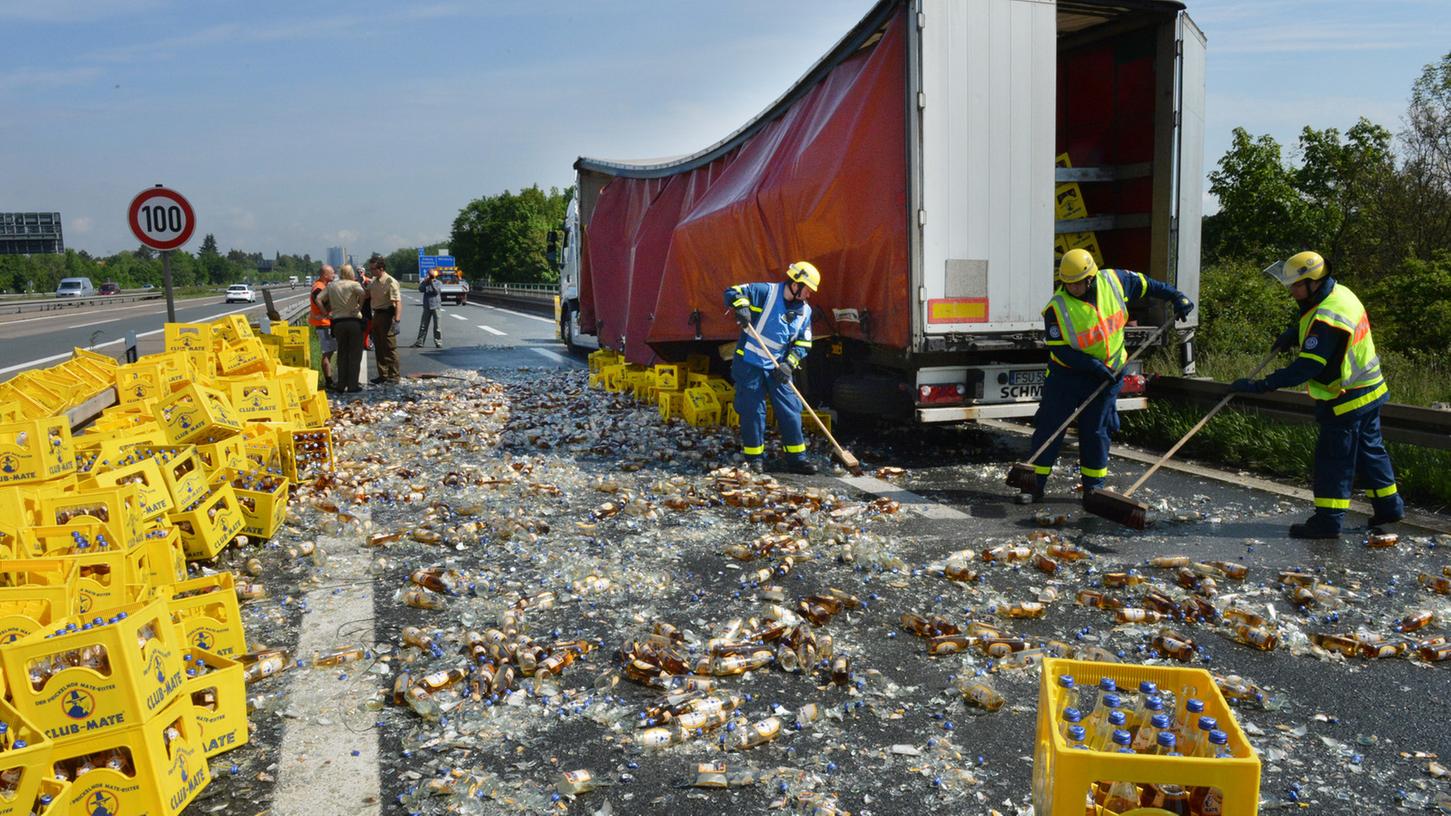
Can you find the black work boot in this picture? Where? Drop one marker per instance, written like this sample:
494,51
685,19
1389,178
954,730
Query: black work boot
805,467
1315,528
755,464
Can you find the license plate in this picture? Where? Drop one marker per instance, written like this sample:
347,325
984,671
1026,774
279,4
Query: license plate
1026,376
1022,384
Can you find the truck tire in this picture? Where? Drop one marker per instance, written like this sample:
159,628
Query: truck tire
869,395
566,328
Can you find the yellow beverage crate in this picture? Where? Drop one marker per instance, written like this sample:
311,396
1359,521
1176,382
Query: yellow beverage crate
151,489
601,358
34,593
43,392
22,769
232,327
219,701
196,413
140,381
732,419
119,508
107,574
700,407
229,451
245,356
10,412
697,363
209,524
20,504
670,376
261,399
205,611
672,403
306,453
300,356
611,376
55,789
116,674
1062,776
639,383
36,450
697,379
724,391
263,511
304,379
828,418
315,409
188,336
182,469
163,767
95,358
166,559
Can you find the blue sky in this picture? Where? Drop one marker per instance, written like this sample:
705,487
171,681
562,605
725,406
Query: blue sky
298,126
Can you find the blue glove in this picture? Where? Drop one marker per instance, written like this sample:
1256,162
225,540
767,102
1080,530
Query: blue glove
1287,339
1182,307
1244,385
781,374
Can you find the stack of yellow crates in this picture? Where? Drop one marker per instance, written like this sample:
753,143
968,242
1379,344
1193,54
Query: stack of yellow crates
119,671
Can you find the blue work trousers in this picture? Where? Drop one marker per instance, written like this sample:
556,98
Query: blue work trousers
1063,390
1350,450
753,386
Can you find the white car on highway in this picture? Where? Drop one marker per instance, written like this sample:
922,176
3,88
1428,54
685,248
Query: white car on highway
241,292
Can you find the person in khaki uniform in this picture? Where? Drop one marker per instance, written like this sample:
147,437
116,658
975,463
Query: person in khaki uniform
343,299
387,309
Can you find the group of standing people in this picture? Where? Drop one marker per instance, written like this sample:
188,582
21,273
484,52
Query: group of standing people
344,309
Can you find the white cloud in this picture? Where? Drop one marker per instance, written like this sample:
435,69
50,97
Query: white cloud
81,224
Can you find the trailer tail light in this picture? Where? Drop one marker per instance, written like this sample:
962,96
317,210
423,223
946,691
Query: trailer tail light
942,393
1134,384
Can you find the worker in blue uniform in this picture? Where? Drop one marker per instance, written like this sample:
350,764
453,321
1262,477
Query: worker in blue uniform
1084,327
782,318
1338,365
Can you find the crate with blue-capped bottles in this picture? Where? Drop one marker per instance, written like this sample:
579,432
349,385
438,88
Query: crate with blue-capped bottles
261,398
50,798
209,524
306,452
206,613
108,670
1174,763
181,468
262,497
36,450
34,593
118,507
151,488
229,451
166,559
25,754
156,767
107,573
218,697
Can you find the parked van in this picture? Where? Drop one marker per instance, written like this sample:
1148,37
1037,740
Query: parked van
75,288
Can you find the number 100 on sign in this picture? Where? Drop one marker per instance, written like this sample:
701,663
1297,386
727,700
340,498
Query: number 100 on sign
161,218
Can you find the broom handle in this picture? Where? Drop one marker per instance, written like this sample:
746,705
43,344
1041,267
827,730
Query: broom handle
1197,426
1098,390
839,451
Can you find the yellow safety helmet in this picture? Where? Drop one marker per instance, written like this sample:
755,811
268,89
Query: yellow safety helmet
1077,265
804,272
1300,266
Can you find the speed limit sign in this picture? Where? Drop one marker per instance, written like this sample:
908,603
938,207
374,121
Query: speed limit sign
161,218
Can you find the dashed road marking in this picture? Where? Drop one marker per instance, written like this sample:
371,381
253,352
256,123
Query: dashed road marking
512,312
555,356
457,316
910,501
493,331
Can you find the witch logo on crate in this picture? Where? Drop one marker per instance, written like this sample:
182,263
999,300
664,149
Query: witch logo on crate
9,462
78,704
103,803
202,641
84,602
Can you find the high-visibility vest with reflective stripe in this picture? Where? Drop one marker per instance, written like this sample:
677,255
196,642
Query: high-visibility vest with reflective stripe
1096,329
315,315
779,326
1360,368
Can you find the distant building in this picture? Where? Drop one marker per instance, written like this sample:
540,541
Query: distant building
335,257
32,233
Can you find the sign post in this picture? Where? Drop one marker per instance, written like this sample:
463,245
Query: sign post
163,220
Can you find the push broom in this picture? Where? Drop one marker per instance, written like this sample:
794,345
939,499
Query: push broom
847,460
1121,507
1021,475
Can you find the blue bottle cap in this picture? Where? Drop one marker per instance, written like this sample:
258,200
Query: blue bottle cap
1122,737
4,726
1066,681
20,743
1072,715
1159,721
1153,704
1194,705
1076,733
1217,737
1208,723
1166,739
1117,717
1112,701
1107,684
45,799
1148,687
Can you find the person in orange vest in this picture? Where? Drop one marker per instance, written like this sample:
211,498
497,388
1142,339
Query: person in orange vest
317,318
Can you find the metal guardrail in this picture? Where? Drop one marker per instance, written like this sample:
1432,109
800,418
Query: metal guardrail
52,303
1426,427
531,291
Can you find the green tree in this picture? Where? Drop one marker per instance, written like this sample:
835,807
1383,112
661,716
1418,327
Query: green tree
209,245
1260,214
503,237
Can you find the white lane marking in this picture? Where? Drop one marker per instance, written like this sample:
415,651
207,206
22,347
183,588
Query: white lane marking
493,331
52,358
109,310
94,323
550,321
555,356
909,500
323,758
457,316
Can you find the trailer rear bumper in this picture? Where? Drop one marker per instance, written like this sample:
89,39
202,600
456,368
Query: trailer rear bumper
965,413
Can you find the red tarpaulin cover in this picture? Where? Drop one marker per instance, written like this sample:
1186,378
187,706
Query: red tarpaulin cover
826,182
